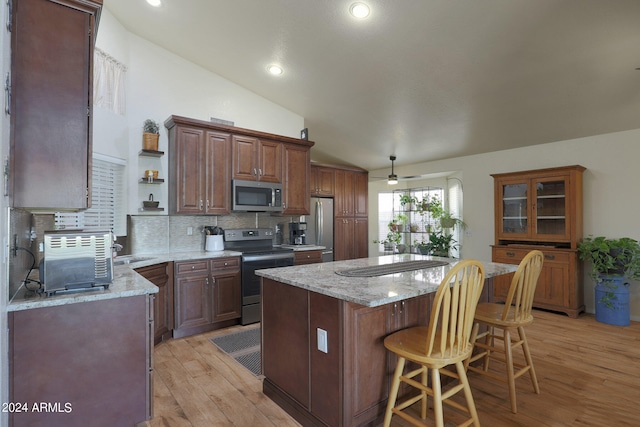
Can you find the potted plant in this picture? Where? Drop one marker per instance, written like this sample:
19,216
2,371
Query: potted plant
413,227
150,135
407,202
612,261
429,204
439,244
449,221
401,219
393,239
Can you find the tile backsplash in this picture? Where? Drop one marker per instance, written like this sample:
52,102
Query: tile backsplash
152,234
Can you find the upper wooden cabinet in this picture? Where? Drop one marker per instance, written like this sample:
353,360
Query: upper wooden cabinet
51,102
322,181
295,180
351,188
199,170
256,159
204,157
539,206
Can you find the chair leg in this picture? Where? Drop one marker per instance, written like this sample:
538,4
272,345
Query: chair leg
425,377
462,374
437,397
488,340
510,374
393,394
472,340
529,359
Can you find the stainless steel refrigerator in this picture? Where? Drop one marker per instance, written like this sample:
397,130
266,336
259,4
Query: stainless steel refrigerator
320,226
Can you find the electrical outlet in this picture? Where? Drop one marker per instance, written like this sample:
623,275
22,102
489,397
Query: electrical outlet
189,231
323,344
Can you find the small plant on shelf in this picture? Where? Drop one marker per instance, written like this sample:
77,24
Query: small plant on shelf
150,135
401,219
407,202
151,126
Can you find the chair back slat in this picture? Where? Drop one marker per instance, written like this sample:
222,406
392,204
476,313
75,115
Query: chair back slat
519,301
453,309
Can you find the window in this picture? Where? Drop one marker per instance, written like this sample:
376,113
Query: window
108,194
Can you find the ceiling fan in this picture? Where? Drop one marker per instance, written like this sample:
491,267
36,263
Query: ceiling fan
392,179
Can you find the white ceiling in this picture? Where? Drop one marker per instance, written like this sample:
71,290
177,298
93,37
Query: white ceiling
421,79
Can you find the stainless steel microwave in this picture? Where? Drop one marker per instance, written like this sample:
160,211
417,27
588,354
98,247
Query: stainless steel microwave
256,196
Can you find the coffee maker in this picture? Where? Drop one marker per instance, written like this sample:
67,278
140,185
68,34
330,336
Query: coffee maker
297,233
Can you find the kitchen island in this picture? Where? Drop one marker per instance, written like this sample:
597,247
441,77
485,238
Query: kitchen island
322,334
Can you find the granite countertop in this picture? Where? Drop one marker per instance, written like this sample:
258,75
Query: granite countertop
126,282
372,291
298,248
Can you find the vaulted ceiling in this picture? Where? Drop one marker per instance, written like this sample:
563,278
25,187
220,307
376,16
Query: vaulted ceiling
421,79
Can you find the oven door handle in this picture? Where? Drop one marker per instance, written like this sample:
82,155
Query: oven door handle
266,257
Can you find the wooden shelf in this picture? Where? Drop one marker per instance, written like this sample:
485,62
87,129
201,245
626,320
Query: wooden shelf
150,209
151,153
155,181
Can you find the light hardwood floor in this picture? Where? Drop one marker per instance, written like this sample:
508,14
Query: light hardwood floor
589,375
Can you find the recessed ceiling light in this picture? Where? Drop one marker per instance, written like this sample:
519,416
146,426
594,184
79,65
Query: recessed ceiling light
359,10
276,70
154,3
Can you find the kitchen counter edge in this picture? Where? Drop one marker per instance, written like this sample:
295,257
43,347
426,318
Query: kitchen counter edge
372,291
126,282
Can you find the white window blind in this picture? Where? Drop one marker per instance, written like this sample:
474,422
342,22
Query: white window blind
107,196
455,208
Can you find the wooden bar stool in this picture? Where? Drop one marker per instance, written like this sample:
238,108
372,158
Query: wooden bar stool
509,317
444,342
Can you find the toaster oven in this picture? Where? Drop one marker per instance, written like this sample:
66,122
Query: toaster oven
76,261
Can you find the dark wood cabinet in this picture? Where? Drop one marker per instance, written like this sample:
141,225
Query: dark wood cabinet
161,275
307,257
295,180
199,170
348,385
322,181
51,102
350,209
88,357
542,209
207,295
256,159
227,297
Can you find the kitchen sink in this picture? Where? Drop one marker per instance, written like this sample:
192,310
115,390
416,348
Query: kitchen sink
128,259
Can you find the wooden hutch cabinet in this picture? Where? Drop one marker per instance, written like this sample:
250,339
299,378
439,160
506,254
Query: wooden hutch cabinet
542,209
52,45
256,159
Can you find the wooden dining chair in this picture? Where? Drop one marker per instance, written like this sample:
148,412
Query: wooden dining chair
444,342
509,317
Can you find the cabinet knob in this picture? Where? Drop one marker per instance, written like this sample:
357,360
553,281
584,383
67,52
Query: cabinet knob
193,267
549,257
201,205
226,263
511,254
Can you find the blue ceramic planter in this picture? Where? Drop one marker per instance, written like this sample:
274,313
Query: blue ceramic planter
612,301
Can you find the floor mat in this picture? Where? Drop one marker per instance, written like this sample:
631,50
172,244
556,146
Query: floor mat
243,346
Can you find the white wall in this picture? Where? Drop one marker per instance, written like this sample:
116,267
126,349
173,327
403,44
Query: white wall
161,84
611,202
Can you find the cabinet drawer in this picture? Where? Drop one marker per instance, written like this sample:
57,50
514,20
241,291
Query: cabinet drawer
307,257
225,263
184,267
509,255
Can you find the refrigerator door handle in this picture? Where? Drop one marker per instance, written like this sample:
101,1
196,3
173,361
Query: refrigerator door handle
319,223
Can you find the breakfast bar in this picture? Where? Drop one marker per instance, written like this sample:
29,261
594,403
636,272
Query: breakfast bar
323,357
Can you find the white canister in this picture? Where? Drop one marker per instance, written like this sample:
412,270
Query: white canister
214,243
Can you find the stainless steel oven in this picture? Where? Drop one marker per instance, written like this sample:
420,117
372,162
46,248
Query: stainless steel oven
258,252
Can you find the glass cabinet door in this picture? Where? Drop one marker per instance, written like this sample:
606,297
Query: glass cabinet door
551,207
515,208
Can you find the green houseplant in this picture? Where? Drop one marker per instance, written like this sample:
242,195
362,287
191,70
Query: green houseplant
439,244
612,261
150,135
407,202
